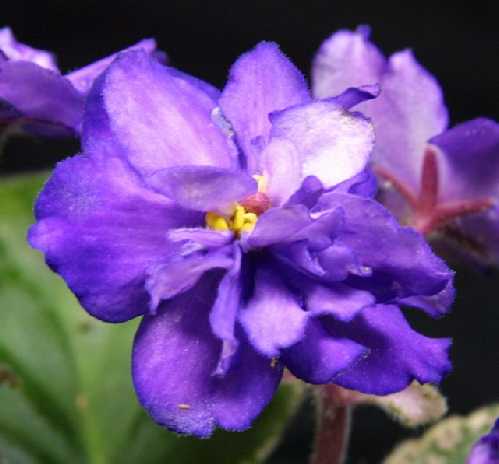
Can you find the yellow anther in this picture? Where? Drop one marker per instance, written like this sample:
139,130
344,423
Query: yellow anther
250,217
239,221
238,218
216,221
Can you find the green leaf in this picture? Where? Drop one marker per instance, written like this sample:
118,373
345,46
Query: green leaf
65,386
447,442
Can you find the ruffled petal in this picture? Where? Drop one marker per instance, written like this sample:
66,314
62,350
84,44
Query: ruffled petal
261,81
181,273
102,230
397,354
14,50
203,188
398,262
337,300
223,315
319,356
346,59
272,318
277,225
353,96
41,96
469,161
334,145
434,305
174,357
83,78
158,118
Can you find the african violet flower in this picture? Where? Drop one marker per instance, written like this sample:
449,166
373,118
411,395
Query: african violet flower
437,180
34,93
486,450
240,225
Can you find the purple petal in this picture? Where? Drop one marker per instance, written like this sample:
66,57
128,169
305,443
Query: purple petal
363,184
308,193
83,78
434,305
158,119
319,356
261,81
15,51
200,237
354,96
174,357
409,111
334,145
469,160
486,450
281,166
346,59
224,312
337,300
397,354
273,318
101,230
400,262
179,274
203,188
278,225
40,95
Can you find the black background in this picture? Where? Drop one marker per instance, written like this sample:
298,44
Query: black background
458,44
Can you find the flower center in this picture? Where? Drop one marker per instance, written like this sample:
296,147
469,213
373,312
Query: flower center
245,214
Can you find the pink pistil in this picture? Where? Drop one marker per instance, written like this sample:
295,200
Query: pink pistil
427,214
257,203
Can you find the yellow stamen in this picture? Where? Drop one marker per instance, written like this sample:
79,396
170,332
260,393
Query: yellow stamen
240,219
238,222
216,222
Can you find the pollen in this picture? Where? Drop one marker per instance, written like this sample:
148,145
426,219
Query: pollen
244,215
216,222
238,222
183,406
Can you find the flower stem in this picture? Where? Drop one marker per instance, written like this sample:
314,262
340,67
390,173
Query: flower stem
333,427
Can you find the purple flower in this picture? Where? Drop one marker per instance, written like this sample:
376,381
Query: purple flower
486,450
435,179
34,93
240,225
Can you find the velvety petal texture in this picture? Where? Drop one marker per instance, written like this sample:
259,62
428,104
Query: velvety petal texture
242,227
82,79
169,125
396,354
102,231
174,357
260,82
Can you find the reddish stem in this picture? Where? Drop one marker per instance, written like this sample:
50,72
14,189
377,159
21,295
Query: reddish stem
333,427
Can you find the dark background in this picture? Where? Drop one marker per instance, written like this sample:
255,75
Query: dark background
458,44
